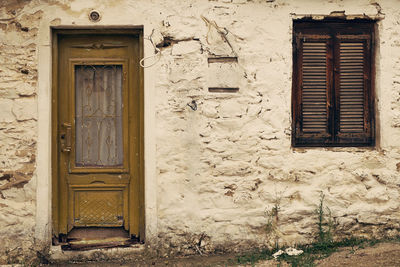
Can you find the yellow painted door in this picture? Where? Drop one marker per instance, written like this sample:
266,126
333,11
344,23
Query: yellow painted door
98,132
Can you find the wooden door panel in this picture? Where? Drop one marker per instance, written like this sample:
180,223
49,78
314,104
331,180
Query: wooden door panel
95,205
98,132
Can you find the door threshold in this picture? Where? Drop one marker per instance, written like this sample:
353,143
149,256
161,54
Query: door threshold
95,244
130,253
87,238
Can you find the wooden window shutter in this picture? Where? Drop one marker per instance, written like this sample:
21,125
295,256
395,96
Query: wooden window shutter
313,92
332,97
353,92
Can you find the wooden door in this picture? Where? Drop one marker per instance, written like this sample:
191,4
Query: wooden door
98,140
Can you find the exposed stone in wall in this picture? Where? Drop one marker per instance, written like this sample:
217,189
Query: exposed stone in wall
222,166
18,81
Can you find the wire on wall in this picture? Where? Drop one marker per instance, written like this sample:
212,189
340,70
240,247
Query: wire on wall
157,52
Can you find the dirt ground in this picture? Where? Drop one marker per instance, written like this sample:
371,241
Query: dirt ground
382,254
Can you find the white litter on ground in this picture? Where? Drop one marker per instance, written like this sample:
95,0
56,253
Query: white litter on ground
289,251
293,251
278,253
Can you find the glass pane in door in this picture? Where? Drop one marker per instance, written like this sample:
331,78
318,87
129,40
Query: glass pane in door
98,116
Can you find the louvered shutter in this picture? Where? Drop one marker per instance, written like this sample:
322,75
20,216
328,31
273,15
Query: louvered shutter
313,92
332,100
352,89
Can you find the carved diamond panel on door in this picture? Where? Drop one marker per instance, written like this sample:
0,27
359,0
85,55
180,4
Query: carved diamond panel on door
96,207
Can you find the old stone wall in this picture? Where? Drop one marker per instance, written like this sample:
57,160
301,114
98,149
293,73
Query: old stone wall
18,127
235,163
223,160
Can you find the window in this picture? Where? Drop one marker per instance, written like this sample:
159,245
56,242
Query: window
332,84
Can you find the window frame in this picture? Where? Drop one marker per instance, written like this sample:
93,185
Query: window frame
332,30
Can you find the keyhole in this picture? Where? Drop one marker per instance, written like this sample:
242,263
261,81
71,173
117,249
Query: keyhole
63,136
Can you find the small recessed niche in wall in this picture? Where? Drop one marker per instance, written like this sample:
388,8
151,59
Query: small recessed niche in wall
223,89
222,60
224,74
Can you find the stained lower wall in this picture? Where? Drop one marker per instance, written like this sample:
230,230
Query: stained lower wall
213,173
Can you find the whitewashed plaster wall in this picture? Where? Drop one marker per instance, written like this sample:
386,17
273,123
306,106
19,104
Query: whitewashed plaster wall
210,173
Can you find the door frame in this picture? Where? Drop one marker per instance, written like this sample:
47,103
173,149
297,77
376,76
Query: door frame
56,32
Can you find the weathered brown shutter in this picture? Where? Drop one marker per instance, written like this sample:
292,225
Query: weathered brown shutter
314,87
313,84
332,100
351,94
353,78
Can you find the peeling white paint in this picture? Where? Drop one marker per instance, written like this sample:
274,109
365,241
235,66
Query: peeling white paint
217,169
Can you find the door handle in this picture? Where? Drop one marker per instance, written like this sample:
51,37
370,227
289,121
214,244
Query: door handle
66,137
